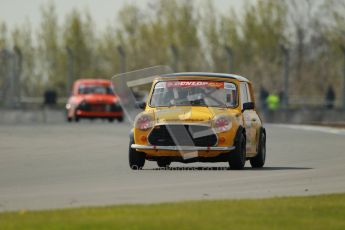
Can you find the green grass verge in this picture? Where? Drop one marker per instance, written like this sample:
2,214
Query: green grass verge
312,212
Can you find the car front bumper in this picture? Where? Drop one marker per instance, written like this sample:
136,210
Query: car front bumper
183,148
82,113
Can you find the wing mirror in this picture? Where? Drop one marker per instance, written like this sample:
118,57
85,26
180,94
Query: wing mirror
248,106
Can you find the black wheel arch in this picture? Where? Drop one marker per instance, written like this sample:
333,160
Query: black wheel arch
241,130
131,134
262,130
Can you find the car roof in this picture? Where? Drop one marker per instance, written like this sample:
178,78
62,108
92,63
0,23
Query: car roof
93,82
206,74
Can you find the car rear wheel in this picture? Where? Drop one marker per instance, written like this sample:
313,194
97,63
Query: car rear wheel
238,158
120,119
111,120
136,159
259,160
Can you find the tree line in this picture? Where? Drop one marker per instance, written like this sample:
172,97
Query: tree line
188,36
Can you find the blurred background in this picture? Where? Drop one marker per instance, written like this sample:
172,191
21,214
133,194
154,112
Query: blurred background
293,50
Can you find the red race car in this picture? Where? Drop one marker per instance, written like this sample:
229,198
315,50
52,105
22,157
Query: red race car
93,98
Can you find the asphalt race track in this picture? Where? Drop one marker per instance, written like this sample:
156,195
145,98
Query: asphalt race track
72,165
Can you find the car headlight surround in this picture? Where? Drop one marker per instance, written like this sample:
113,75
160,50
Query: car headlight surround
144,122
222,123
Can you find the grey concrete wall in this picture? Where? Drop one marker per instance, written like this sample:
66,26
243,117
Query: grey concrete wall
307,116
293,116
31,116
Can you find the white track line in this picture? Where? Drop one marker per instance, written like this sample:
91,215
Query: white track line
330,130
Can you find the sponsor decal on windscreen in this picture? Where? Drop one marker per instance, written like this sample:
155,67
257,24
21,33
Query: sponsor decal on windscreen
210,84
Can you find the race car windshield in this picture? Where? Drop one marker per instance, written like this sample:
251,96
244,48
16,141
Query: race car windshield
194,93
95,89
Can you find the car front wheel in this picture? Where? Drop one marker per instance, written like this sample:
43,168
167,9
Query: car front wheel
238,158
136,159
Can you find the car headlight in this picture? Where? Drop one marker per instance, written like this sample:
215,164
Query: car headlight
144,122
222,123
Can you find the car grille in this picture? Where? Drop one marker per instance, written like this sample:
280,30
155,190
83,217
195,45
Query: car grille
100,107
200,135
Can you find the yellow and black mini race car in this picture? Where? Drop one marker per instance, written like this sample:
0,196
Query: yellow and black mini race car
198,117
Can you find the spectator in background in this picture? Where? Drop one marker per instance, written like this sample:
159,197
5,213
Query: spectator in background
263,101
263,97
282,98
50,97
330,97
273,103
